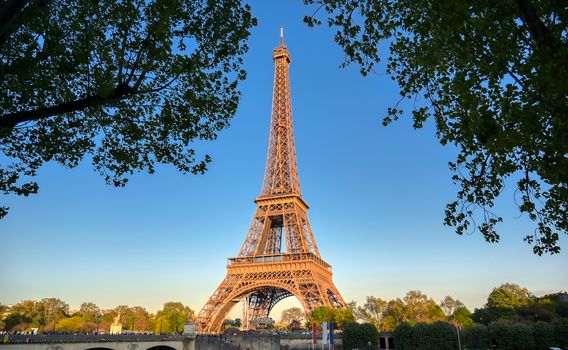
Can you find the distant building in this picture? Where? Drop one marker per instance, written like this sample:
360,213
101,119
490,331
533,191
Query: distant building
116,326
263,323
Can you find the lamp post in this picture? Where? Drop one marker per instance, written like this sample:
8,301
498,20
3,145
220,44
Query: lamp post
459,341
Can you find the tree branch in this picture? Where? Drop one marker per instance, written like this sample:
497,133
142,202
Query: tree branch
121,92
537,28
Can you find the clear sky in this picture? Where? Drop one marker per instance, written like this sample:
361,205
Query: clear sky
377,198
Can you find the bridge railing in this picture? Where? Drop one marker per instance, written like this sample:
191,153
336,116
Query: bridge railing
278,258
85,338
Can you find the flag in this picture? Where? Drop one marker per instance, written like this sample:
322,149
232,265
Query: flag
314,333
331,340
324,338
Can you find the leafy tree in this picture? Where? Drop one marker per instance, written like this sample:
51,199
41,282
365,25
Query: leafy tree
540,309
481,316
418,307
237,322
543,335
373,311
3,309
360,336
23,314
504,300
449,305
126,84
90,312
73,324
493,77
462,317
340,316
142,319
173,316
292,314
475,337
52,310
12,320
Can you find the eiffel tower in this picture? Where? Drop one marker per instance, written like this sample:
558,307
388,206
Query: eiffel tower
279,257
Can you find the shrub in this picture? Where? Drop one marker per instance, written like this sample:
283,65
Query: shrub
499,336
359,336
543,335
561,332
475,337
403,335
521,337
435,336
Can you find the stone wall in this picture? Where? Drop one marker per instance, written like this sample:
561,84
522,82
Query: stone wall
304,342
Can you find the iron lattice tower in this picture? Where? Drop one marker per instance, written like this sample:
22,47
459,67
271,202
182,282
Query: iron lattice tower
279,257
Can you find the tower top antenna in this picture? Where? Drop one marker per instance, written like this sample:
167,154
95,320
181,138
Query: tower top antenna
281,36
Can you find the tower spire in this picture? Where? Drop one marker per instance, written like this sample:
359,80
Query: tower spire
281,172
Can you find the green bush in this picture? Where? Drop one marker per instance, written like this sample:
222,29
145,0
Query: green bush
359,336
521,337
435,336
543,335
511,336
561,332
403,335
499,336
474,337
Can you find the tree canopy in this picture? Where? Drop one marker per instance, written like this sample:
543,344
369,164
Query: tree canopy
493,77
126,84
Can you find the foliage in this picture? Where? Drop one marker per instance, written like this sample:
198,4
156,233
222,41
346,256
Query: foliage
3,309
508,296
543,333
511,336
73,324
403,337
90,312
475,337
360,336
36,314
293,314
522,336
386,316
561,332
499,336
493,77
504,300
127,84
172,317
481,316
52,310
436,336
340,316
462,317
425,336
449,305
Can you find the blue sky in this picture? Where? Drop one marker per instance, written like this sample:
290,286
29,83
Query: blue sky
377,198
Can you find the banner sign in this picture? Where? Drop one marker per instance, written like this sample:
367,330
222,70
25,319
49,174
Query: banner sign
331,340
324,338
314,333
